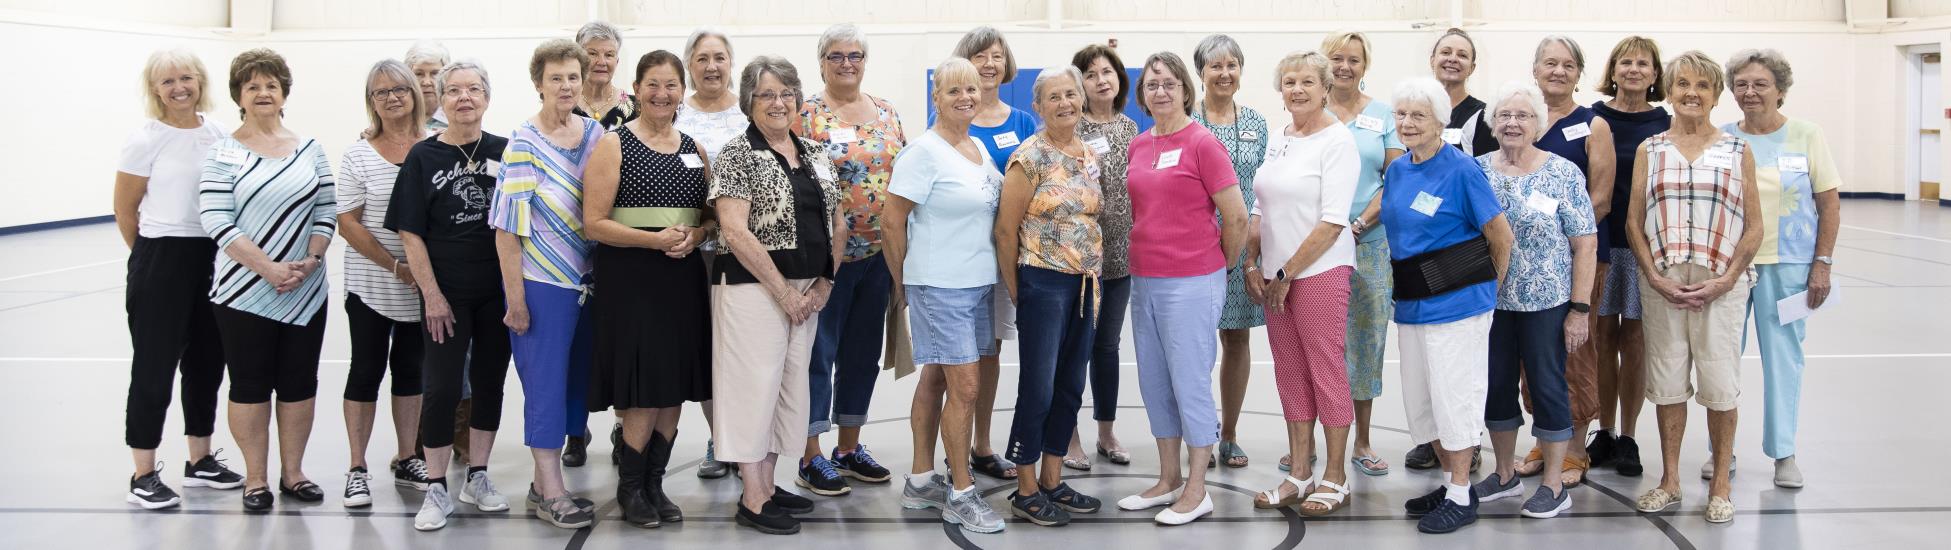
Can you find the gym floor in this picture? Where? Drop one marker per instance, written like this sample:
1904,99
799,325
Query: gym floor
63,331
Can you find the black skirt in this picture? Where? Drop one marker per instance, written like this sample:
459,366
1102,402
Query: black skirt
652,339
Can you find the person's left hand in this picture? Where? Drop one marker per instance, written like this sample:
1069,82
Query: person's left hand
1698,295
1578,328
1276,294
1818,284
692,238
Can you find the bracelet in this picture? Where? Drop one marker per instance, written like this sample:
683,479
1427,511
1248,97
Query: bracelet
1252,268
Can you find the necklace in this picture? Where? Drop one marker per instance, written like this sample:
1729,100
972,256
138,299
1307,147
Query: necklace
470,154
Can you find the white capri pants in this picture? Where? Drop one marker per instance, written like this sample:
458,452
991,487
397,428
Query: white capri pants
1445,378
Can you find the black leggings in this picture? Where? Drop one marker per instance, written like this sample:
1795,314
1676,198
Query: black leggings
372,333
477,325
170,327
266,355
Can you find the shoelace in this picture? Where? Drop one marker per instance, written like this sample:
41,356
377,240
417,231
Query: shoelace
483,486
222,466
860,455
417,467
825,467
355,482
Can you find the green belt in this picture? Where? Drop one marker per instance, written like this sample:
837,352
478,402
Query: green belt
656,216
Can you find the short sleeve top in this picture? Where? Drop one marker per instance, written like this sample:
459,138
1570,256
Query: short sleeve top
1172,180
1060,231
1792,164
1306,180
1002,140
1374,130
172,159
365,183
1111,142
1545,208
712,130
277,203
863,160
540,199
950,238
1431,205
442,196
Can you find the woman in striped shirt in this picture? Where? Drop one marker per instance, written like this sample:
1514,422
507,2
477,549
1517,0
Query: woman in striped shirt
266,197
382,310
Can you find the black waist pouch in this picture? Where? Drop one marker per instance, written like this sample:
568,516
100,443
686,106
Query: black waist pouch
1439,271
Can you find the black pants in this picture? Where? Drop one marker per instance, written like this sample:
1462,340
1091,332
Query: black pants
1104,349
477,325
170,326
267,356
372,335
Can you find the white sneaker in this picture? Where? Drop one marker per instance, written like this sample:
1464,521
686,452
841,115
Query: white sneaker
480,492
1169,517
1787,476
434,509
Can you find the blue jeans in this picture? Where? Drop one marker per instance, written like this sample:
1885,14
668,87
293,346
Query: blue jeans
552,360
847,351
1055,323
1104,350
1533,341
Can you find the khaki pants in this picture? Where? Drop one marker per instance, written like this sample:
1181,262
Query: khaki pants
1705,344
759,380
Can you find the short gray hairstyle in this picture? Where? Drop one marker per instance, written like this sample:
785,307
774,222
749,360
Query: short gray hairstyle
1578,55
1526,92
1767,57
440,79
427,51
1312,62
691,47
748,80
1425,90
981,38
1050,75
1213,47
598,30
841,33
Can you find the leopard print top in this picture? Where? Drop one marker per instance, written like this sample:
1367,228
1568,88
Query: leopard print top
746,169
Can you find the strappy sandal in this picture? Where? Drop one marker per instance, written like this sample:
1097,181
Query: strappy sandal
1533,463
1334,501
1119,457
1579,465
1270,499
1657,500
993,466
1371,465
1080,464
1228,451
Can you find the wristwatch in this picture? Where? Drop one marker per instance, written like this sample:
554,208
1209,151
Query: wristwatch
1581,307
1827,260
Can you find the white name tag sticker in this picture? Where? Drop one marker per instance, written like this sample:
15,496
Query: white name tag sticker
1577,131
1249,135
1718,159
1006,140
691,160
1369,123
1542,203
841,136
1453,136
231,156
1167,159
1092,170
1426,203
1795,163
1099,145
823,170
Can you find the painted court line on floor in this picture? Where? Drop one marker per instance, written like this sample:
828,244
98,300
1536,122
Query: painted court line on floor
1011,364
1932,239
62,270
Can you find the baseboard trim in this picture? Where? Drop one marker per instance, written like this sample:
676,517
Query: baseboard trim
57,224
1872,195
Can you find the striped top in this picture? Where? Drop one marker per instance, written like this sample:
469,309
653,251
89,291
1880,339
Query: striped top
540,199
279,204
366,181
1694,207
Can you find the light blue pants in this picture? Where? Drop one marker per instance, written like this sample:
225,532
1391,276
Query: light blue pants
1781,354
1175,322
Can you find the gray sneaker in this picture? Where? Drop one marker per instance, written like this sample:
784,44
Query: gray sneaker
932,495
563,512
434,508
972,512
482,494
1493,487
1545,505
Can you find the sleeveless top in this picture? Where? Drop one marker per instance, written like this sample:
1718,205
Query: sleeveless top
1628,131
1566,138
1694,207
658,190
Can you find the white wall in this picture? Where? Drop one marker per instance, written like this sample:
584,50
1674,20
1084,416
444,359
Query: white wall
1844,80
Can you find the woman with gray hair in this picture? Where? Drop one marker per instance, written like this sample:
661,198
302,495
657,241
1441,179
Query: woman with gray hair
426,58
1443,218
601,99
780,219
1800,214
1049,249
863,135
382,310
1243,132
1542,303
712,116
1179,175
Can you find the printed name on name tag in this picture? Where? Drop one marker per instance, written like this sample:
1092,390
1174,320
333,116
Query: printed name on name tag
841,136
1369,123
1006,139
824,170
1168,159
1718,159
1577,131
691,160
1426,203
1099,145
1452,136
1249,135
1542,203
1792,163
231,156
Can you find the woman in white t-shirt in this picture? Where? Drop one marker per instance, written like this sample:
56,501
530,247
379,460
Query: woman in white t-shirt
712,118
171,262
1299,259
382,308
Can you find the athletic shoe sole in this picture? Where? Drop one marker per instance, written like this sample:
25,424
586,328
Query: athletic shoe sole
863,477
919,504
1026,516
543,514
467,498
1516,491
147,505
768,530
199,482
801,482
359,501
415,485
430,526
951,518
1564,507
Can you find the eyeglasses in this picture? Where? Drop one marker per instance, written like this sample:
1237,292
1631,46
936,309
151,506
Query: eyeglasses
1517,116
1162,86
470,91
1418,117
766,98
381,95
839,58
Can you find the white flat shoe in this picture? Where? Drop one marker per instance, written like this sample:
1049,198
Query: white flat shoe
1169,517
1140,502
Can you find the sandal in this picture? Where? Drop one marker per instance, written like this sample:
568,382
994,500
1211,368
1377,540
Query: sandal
1227,452
1120,456
1080,464
1271,498
1334,501
1287,461
1533,463
993,466
1657,500
1579,465
1371,465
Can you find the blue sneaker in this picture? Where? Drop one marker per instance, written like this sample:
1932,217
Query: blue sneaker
859,465
820,477
1448,516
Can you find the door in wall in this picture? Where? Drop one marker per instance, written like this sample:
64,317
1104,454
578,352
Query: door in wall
1930,125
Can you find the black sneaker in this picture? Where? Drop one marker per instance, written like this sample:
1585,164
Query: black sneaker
411,472
859,465
790,503
1423,457
209,471
149,492
1601,448
1071,500
576,451
1625,457
1037,509
1426,503
820,477
769,519
1448,516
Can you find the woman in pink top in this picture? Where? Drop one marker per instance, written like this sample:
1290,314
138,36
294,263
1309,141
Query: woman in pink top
1179,174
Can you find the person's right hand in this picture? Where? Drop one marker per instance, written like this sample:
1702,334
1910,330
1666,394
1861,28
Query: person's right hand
282,276
1256,288
1668,289
794,305
517,317
671,238
439,317
900,296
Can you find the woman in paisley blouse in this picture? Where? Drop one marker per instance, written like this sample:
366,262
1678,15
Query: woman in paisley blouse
862,134
1243,131
1105,128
